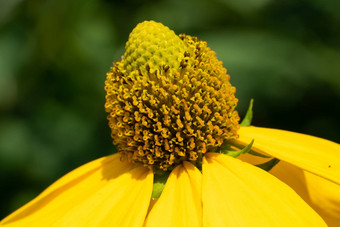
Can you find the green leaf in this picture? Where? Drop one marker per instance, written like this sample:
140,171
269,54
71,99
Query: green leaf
159,181
249,115
235,154
267,166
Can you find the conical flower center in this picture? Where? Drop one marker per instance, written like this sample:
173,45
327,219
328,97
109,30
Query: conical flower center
169,100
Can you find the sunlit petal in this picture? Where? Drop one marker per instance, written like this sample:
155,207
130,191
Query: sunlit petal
180,203
316,155
104,192
236,193
322,195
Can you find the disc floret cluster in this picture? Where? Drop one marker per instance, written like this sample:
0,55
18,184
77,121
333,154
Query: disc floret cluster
169,99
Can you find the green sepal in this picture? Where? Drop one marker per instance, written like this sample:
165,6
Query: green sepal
227,146
249,115
234,153
159,181
252,152
267,166
241,146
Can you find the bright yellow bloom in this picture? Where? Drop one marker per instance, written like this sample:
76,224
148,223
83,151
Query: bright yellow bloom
172,111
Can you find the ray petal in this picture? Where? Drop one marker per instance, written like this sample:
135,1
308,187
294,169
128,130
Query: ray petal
318,156
321,194
236,193
180,203
104,192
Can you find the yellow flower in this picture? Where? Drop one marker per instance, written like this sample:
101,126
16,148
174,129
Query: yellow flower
172,114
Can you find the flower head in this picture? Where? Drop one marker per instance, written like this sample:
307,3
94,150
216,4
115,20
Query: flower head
171,107
169,99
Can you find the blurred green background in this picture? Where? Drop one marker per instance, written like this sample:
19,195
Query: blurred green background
54,55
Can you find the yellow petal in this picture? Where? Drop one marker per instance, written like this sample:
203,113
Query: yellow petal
104,192
318,156
321,194
180,203
236,193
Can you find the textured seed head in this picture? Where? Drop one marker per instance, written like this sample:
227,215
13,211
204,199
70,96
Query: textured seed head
170,103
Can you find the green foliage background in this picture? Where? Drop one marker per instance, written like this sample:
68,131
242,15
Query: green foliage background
54,55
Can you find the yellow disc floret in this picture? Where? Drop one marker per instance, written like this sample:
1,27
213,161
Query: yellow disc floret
174,105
